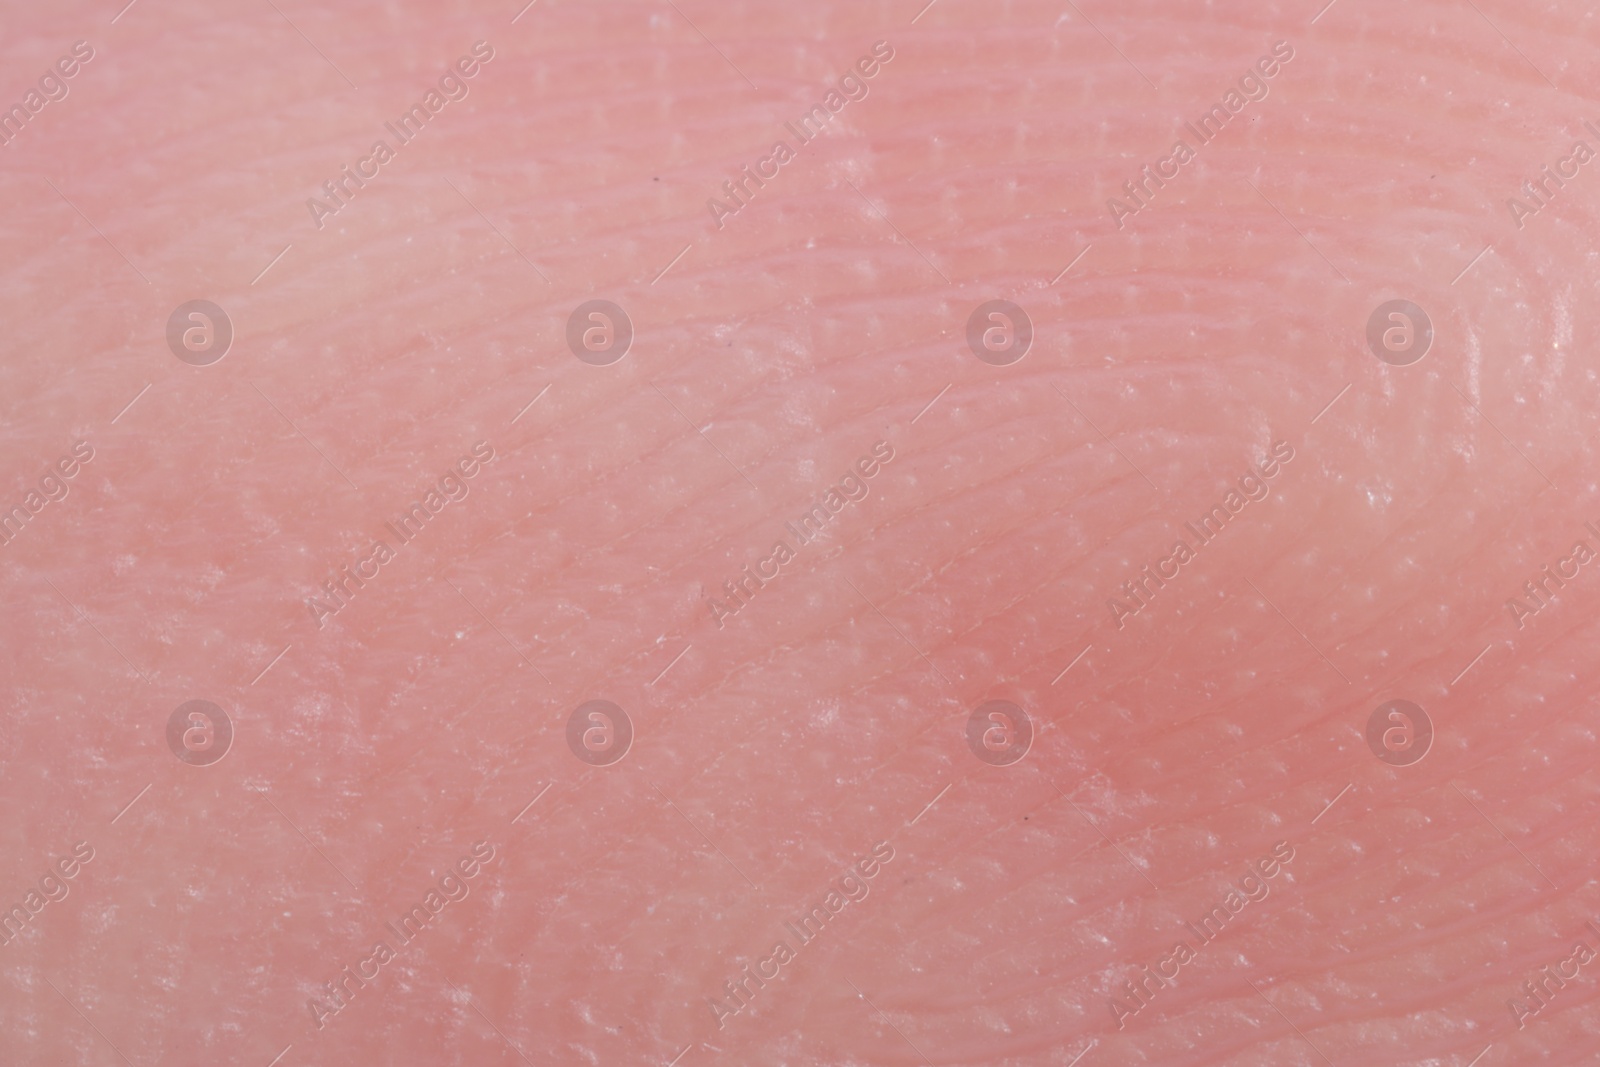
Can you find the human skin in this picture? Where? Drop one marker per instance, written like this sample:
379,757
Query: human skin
386,739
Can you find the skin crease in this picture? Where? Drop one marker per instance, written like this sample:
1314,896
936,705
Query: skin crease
1218,737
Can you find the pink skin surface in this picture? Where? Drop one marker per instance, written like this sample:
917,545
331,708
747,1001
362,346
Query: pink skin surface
398,747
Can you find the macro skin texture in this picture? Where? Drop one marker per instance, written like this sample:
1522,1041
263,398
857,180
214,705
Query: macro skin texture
595,583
